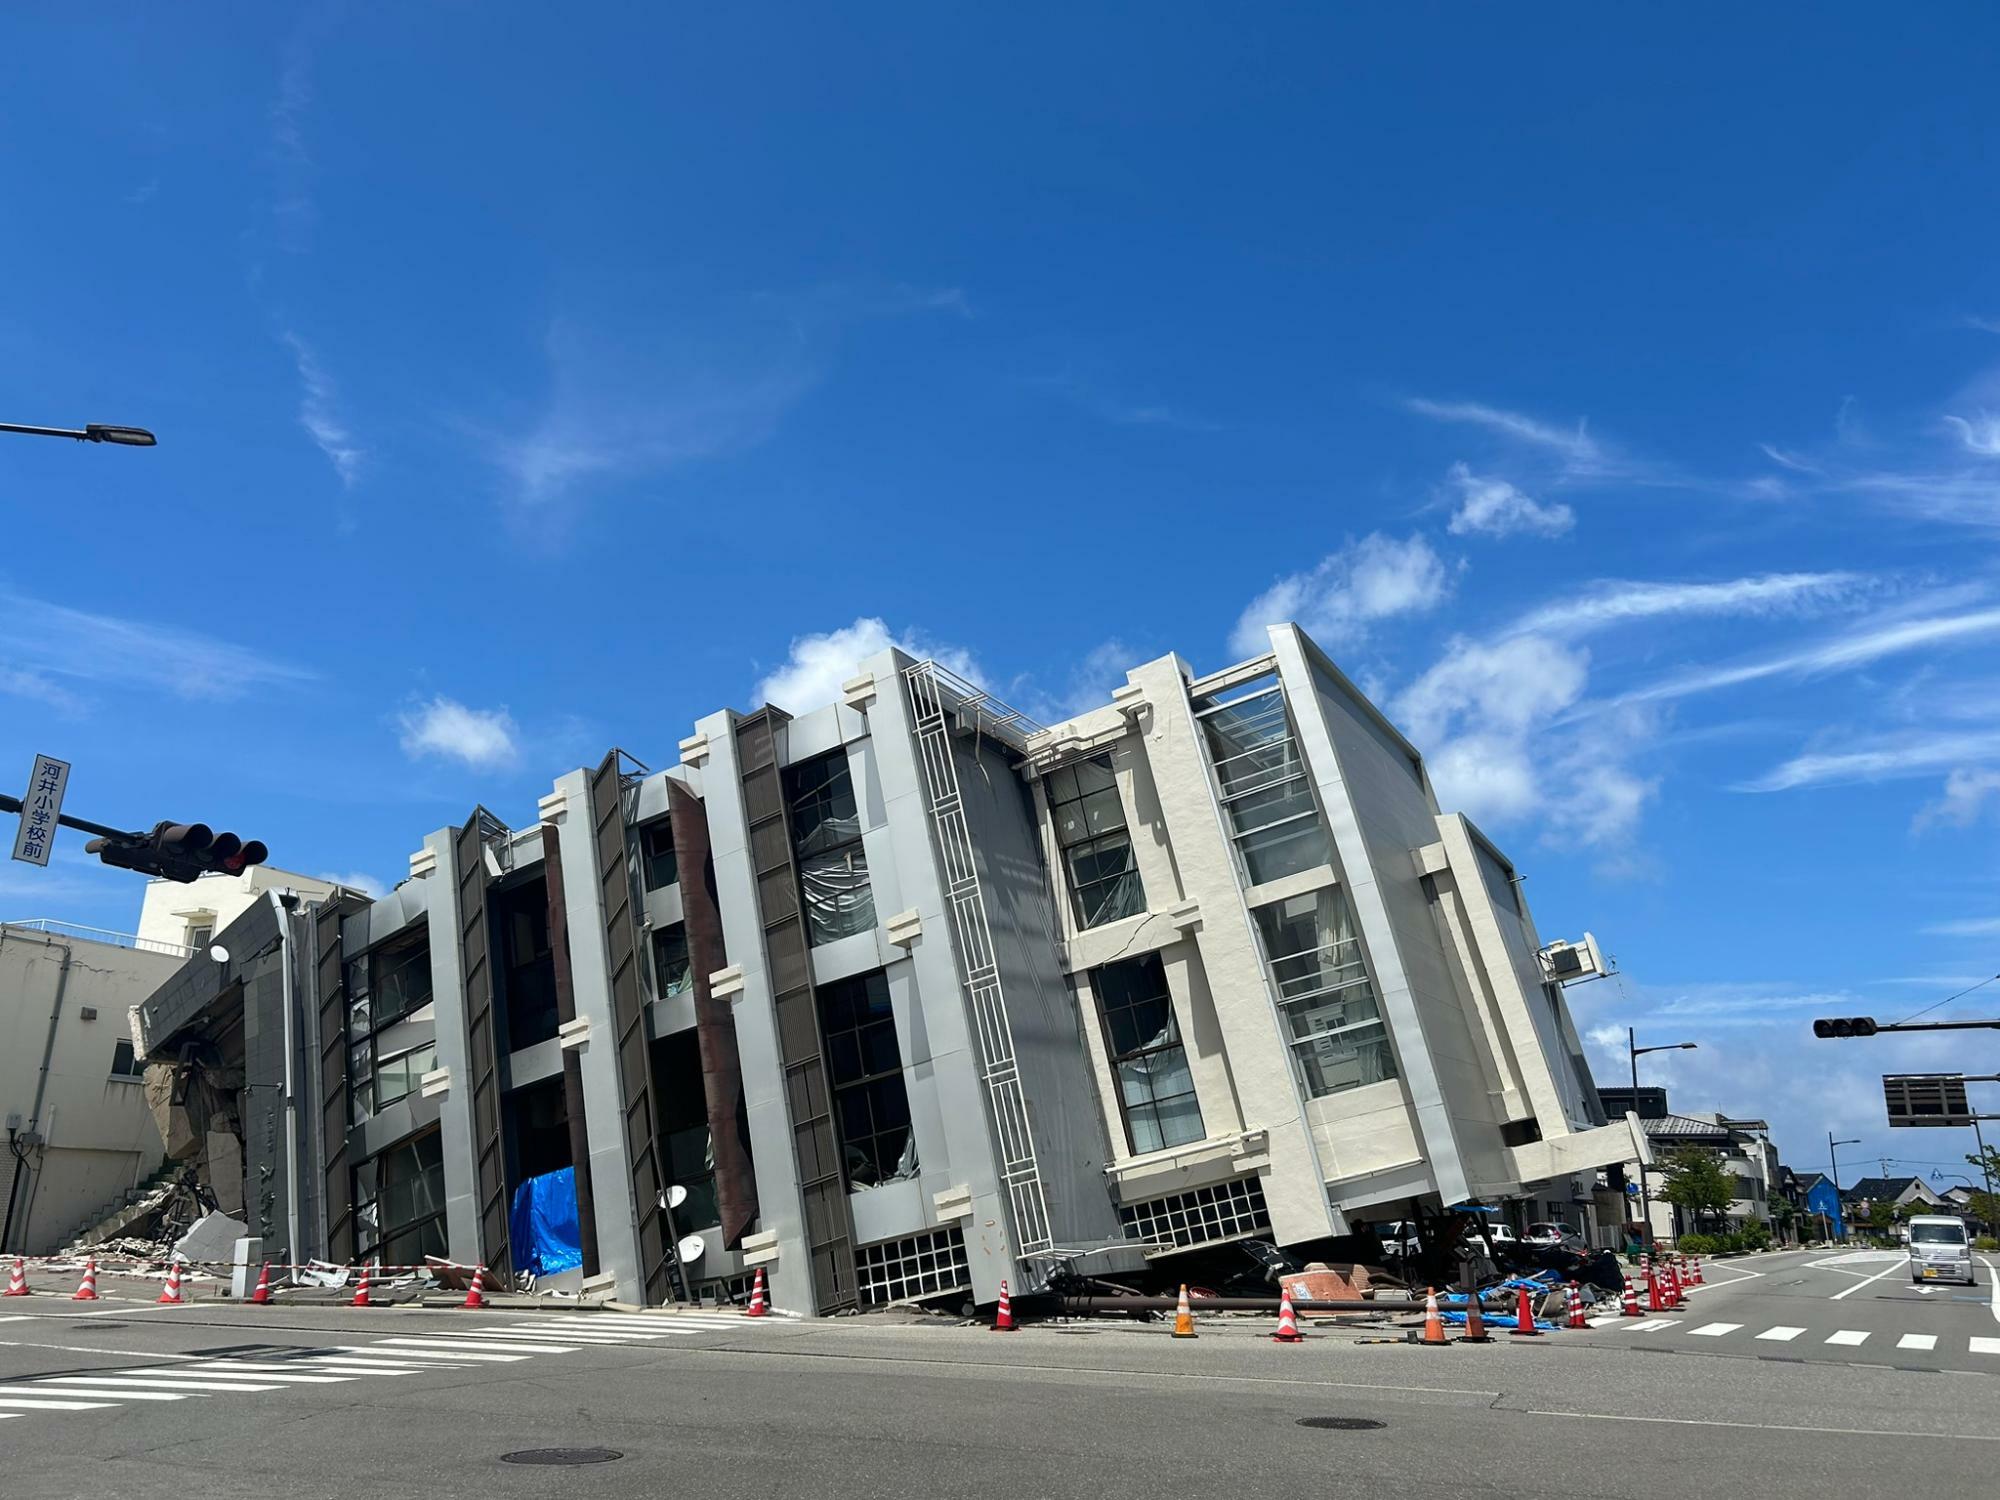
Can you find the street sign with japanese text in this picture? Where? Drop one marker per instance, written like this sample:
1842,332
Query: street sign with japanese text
1926,1099
40,809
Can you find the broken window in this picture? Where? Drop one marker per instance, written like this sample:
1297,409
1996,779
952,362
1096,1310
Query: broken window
390,984
527,964
826,838
858,1027
123,1064
1265,792
1332,1021
399,1202
673,970
1097,851
658,867
1155,1086
683,1120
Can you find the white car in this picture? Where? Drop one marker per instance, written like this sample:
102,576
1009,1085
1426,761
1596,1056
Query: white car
1940,1249
1499,1234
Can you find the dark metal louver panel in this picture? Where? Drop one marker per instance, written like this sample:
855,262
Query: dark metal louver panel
829,1220
714,1025
628,1020
330,976
468,860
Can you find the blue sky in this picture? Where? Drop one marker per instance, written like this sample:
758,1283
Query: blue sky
1617,397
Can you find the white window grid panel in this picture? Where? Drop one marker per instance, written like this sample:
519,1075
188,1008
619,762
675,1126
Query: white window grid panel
913,1267
1203,1216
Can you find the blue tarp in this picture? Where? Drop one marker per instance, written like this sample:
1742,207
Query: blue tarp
542,1230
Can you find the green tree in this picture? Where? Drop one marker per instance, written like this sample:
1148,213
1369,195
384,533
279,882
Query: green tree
1986,1165
1694,1182
1882,1216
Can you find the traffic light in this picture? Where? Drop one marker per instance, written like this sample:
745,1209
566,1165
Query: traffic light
180,851
1844,1026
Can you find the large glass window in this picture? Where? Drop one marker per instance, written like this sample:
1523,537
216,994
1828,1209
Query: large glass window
390,984
658,865
1265,792
1333,1023
826,838
683,1118
1097,851
869,1102
1155,1088
527,964
399,1202
673,969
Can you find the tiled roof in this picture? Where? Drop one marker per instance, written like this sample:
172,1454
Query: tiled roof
1681,1127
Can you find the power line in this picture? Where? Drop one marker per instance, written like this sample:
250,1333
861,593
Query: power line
1947,1000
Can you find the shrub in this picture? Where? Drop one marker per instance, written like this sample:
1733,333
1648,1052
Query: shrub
1697,1244
1987,1242
1756,1235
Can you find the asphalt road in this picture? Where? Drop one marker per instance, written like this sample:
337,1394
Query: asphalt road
1834,1307
305,1402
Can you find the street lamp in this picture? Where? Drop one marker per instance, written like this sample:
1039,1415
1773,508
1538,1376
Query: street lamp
1833,1160
1632,1046
93,432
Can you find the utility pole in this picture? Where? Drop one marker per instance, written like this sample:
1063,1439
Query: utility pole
1833,1159
1645,1202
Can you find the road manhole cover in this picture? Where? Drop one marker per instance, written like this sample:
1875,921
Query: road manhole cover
561,1456
1340,1424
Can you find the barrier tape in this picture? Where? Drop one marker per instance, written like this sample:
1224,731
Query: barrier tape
106,1263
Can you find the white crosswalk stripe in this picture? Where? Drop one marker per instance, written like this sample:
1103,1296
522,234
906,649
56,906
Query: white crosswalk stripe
1782,1334
586,1335
94,1390
1849,1337
499,1342
1985,1345
451,1351
1917,1341
44,1405
159,1383
1714,1330
1648,1325
290,1370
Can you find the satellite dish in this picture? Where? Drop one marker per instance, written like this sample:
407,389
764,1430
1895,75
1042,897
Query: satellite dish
219,953
676,1196
691,1248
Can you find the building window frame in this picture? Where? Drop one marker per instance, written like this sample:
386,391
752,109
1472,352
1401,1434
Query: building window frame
837,897
1329,1010
1264,789
1139,1059
125,1064
386,970
864,1069
1087,814
659,866
426,1183
673,964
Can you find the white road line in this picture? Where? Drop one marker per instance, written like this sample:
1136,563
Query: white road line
78,1390
1993,1280
362,1366
1917,1341
495,1341
1985,1345
1714,1330
51,1405
589,1335
484,1356
1888,1270
1648,1325
1781,1333
287,1371
1850,1337
153,1383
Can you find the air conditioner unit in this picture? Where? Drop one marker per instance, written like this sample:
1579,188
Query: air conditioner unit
1573,963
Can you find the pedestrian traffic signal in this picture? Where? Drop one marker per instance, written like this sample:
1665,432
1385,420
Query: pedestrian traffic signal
180,851
1844,1026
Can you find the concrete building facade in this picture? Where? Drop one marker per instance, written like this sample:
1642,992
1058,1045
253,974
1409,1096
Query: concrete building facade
906,995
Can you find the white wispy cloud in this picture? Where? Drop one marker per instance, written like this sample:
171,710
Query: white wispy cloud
816,665
1117,409
1966,927
1884,759
67,645
356,880
446,729
1967,792
1336,601
1574,445
1088,684
1496,508
319,411
1980,434
1617,601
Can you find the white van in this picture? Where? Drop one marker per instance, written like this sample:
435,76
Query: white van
1940,1249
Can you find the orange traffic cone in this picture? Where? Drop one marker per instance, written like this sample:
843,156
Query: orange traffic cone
1695,1278
1629,1307
1576,1319
361,1291
1433,1324
87,1290
476,1296
17,1280
1475,1319
172,1295
1673,1293
758,1306
1524,1320
1184,1318
262,1295
1655,1302
1288,1322
1003,1320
